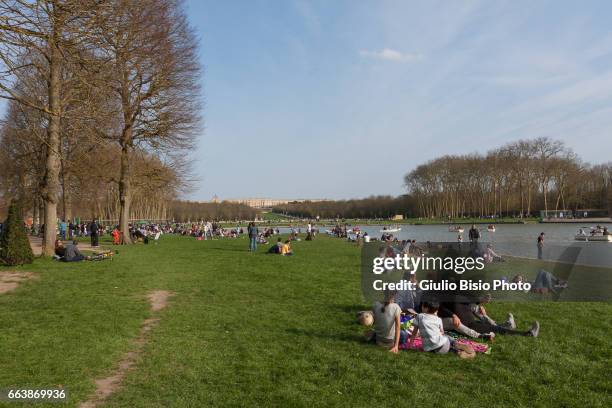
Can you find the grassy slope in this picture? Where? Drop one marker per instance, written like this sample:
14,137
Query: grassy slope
256,329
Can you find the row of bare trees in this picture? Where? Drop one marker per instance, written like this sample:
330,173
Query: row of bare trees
103,106
518,179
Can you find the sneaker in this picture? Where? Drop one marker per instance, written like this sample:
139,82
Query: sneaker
535,329
510,324
487,336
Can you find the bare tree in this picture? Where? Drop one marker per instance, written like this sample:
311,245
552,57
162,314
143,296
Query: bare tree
37,39
150,52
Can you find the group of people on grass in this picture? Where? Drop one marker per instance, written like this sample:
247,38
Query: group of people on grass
436,313
282,248
432,318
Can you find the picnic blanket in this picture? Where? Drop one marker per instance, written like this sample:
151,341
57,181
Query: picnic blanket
478,347
406,324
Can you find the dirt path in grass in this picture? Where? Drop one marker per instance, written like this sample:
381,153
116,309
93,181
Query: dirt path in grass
106,386
10,280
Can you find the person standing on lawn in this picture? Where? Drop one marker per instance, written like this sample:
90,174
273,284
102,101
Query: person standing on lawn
94,228
116,236
62,229
253,232
541,245
474,234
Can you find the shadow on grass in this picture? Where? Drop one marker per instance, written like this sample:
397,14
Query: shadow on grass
229,249
352,309
339,337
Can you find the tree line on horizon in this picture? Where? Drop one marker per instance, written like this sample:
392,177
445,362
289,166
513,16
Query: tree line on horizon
371,207
103,108
516,180
192,211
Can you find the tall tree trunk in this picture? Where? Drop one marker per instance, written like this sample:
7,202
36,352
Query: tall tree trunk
66,204
35,212
52,163
41,211
545,188
125,194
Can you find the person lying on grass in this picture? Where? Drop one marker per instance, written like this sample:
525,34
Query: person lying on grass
545,282
276,248
60,249
461,314
432,333
72,253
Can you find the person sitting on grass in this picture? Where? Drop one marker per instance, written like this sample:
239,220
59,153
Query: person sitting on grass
72,253
286,248
481,313
432,333
409,299
490,255
387,331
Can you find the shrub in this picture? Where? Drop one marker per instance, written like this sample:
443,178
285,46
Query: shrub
14,244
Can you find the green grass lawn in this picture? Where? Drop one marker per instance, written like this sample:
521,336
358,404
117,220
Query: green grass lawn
263,330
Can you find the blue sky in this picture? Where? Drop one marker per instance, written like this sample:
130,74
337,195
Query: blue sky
339,99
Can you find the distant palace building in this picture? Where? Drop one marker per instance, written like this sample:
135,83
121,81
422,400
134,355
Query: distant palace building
264,202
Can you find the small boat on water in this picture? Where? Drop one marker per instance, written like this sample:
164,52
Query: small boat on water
491,228
456,228
391,229
596,234
593,238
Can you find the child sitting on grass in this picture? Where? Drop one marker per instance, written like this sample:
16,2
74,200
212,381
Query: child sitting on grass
387,330
432,334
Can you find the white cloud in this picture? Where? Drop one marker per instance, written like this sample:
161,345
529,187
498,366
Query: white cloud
391,55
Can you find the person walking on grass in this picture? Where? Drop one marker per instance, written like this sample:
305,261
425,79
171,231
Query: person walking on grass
253,232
